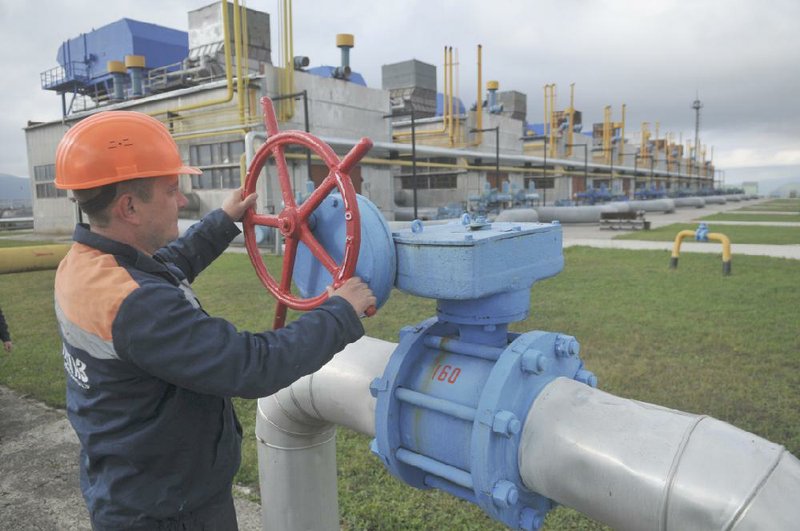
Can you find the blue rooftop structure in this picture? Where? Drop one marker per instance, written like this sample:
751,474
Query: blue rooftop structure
82,60
458,106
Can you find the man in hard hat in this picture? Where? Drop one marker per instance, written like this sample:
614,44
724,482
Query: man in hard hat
149,373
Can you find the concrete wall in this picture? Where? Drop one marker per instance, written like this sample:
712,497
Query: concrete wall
51,215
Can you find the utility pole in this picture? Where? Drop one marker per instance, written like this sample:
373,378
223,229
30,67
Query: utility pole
697,105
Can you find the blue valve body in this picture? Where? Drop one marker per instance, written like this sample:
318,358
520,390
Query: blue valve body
449,413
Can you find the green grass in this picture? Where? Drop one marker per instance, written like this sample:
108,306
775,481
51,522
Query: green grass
734,216
689,339
736,233
22,243
776,205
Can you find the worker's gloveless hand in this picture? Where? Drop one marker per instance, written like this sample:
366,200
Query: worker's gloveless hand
356,292
236,204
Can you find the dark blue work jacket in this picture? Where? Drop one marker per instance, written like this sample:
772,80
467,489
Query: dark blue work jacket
150,374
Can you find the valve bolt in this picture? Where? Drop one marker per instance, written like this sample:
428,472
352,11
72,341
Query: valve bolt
530,519
567,346
586,377
506,423
377,385
534,361
505,493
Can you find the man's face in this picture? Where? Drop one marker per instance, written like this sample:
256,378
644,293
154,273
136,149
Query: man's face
160,214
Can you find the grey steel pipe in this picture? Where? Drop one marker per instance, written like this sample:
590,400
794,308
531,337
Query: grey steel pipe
634,465
296,433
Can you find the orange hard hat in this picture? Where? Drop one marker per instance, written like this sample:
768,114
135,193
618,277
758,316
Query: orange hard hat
114,146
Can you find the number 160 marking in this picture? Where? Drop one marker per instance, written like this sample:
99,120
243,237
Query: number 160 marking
445,373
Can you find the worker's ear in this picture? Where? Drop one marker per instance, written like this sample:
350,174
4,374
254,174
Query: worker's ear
126,208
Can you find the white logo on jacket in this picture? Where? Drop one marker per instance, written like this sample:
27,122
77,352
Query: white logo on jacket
76,369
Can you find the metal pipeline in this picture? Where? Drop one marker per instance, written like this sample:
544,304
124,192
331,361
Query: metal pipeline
629,464
296,432
634,465
479,103
32,258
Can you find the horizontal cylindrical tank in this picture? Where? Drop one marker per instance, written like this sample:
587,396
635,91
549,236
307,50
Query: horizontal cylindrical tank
653,205
31,258
697,202
715,200
522,215
572,214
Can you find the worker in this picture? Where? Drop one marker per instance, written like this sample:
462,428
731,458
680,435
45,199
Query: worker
5,336
150,374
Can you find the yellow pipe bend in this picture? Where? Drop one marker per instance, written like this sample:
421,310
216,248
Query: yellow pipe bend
726,244
676,247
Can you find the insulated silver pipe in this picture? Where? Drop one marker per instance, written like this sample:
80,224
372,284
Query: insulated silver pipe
296,433
634,465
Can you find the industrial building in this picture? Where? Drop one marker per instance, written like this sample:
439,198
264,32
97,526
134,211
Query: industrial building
433,155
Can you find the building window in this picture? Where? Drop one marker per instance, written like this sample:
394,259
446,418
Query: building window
430,181
540,182
219,162
44,177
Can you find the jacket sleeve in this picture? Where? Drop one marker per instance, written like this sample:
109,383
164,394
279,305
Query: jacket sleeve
158,330
4,335
202,243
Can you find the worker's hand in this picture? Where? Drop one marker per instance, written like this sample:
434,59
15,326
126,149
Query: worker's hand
8,345
236,205
357,293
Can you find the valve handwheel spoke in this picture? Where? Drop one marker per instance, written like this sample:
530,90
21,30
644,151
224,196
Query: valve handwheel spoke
292,221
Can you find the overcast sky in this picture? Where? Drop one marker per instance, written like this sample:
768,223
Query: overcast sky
741,56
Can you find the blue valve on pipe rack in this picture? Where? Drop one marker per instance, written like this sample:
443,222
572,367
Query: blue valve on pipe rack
454,396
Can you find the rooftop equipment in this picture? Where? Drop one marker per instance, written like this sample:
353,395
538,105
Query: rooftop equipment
412,87
344,41
83,60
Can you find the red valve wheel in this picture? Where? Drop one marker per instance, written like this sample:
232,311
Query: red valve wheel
292,222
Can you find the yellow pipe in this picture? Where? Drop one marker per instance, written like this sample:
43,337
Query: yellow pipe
237,45
228,72
246,49
214,133
571,118
607,133
32,258
726,244
458,93
552,121
479,100
450,96
287,105
714,236
622,138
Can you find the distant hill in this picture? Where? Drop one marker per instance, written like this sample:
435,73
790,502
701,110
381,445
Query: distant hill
15,188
